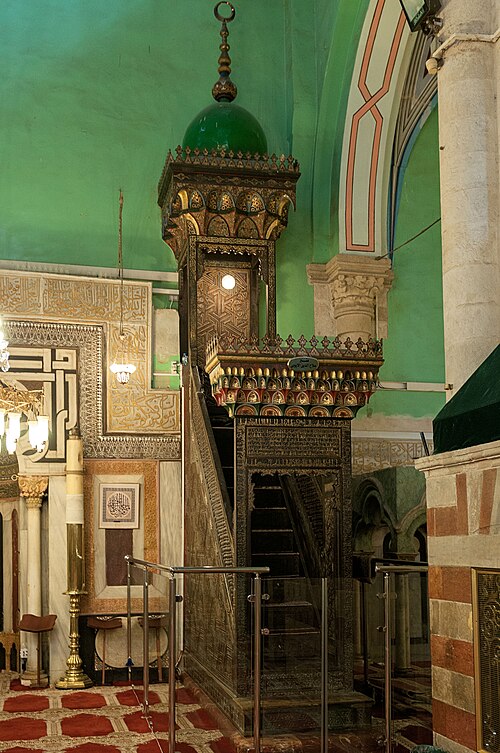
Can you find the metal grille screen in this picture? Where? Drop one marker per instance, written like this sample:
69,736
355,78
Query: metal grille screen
487,642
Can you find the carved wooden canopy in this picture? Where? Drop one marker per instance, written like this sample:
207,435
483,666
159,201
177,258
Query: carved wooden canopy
222,213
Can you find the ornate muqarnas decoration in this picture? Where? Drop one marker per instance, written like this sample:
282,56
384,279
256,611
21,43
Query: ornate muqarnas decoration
225,194
252,378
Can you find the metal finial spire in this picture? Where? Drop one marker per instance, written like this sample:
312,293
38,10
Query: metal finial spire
224,89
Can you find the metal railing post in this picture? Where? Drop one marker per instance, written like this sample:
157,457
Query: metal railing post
145,644
324,665
387,570
172,571
172,639
257,660
129,623
388,662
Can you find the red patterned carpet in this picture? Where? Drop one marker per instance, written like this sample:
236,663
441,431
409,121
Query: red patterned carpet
110,720
102,720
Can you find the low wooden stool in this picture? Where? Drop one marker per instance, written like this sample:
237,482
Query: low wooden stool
32,623
100,623
156,623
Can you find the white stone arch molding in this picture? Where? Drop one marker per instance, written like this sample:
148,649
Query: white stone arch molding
379,73
414,519
369,498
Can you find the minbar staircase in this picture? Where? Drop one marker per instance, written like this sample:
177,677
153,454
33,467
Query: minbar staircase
291,608
290,615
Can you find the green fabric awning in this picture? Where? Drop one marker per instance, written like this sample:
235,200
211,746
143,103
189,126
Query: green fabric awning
472,416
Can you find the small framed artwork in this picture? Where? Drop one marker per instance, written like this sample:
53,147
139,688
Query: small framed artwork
119,505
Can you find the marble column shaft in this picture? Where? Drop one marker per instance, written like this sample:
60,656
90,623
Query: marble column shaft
470,200
32,489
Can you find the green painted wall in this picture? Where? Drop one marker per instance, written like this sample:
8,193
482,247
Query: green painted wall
325,35
414,350
93,94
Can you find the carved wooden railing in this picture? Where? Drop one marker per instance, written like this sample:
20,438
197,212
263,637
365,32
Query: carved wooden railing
276,377
276,348
213,479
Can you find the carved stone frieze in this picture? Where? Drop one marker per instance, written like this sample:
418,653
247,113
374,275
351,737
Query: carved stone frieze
358,289
372,454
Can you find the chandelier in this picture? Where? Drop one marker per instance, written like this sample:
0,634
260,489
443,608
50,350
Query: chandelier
121,367
15,403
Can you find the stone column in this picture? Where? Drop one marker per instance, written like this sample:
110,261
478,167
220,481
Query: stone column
33,488
468,140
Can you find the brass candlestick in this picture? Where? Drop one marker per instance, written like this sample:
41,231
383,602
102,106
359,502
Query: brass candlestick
74,677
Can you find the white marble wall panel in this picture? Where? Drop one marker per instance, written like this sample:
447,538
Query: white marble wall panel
6,510
171,527
56,576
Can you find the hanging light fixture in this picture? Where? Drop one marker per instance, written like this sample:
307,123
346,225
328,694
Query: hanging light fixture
4,353
120,367
228,282
15,403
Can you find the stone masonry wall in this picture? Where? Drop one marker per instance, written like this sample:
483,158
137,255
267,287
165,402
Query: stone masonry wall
463,520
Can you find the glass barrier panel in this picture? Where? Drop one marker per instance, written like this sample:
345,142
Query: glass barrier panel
410,675
291,655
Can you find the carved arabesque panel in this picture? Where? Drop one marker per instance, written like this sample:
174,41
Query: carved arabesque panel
81,303
223,311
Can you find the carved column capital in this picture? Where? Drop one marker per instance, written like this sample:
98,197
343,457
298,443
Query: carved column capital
33,488
357,289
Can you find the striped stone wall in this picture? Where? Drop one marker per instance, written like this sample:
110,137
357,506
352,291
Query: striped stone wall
463,525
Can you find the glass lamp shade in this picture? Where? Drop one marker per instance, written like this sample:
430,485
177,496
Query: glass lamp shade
2,421
10,444
14,426
38,432
122,371
228,282
13,431
4,353
33,432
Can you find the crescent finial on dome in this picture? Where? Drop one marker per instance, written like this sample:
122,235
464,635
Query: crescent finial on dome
224,89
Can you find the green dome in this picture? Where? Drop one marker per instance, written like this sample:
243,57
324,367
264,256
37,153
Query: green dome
224,125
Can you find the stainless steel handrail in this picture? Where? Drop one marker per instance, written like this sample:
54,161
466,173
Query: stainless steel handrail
174,598
324,665
388,570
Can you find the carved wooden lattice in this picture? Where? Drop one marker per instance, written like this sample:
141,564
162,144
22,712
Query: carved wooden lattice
223,311
487,659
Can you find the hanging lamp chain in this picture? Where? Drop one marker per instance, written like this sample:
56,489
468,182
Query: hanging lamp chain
120,259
